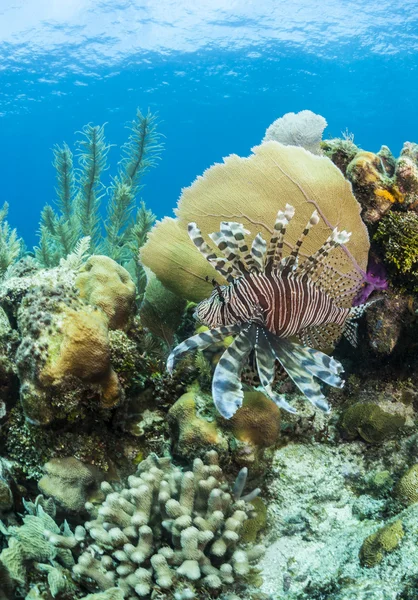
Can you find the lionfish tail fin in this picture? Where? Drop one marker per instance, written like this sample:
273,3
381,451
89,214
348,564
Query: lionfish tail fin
200,341
227,390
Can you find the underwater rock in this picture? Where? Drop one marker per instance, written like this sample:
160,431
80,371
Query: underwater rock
384,540
257,421
341,151
370,422
71,483
9,341
110,594
385,323
372,185
407,486
6,483
304,129
104,283
193,433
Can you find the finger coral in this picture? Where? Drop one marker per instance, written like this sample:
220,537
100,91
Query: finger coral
167,531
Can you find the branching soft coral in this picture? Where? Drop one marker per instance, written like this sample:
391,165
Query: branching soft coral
11,246
80,192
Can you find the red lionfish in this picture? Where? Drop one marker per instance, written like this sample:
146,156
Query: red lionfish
268,300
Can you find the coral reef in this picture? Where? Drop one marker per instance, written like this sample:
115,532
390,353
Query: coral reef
304,128
373,185
384,540
257,422
193,432
341,151
71,483
105,284
169,531
83,346
178,530
370,422
407,487
397,237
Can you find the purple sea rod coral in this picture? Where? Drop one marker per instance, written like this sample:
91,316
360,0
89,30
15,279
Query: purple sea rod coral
374,279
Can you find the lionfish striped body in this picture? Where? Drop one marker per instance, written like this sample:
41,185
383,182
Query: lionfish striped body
268,300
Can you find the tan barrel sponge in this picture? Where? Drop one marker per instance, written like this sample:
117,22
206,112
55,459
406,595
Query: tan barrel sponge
250,191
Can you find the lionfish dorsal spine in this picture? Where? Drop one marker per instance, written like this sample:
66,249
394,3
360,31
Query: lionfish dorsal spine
258,252
292,259
275,247
314,262
217,263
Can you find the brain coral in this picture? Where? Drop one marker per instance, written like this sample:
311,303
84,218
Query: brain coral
257,421
407,488
370,422
251,191
104,283
384,540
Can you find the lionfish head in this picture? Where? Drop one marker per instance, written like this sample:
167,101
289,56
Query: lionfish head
207,312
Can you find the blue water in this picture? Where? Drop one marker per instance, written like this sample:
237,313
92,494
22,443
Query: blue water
218,73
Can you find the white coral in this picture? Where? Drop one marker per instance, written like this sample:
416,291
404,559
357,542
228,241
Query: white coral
304,128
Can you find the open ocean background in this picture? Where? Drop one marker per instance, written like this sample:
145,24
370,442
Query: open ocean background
218,72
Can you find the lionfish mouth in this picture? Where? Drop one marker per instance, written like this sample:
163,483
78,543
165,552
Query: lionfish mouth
302,364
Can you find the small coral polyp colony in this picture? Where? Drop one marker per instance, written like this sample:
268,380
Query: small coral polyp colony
120,480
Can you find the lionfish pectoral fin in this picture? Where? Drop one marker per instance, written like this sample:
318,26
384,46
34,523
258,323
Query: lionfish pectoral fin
279,400
266,369
318,364
226,384
200,341
299,374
